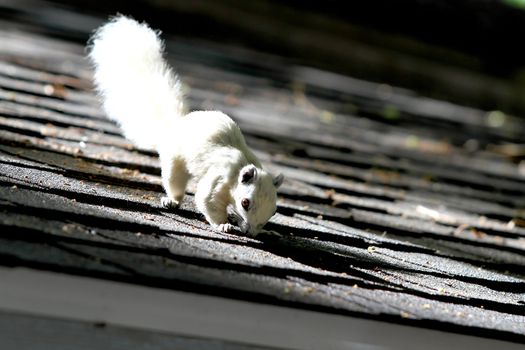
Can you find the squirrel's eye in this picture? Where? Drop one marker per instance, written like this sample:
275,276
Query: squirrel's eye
245,202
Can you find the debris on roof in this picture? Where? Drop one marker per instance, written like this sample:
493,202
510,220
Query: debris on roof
395,207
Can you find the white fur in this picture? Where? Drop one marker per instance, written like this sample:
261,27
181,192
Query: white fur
139,90
142,94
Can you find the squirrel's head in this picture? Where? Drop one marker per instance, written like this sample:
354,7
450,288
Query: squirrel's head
254,198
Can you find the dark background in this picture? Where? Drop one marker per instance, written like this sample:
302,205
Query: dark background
468,52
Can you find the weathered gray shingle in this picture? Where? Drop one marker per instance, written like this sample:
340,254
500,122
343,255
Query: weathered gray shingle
388,212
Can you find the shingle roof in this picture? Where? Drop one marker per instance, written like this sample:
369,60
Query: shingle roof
395,207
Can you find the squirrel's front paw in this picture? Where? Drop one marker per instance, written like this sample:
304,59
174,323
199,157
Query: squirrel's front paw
169,203
224,227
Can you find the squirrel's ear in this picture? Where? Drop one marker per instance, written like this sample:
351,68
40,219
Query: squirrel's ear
248,173
278,180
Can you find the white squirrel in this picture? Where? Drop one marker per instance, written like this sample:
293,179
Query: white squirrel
141,92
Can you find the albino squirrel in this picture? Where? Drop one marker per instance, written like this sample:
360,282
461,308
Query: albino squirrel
141,93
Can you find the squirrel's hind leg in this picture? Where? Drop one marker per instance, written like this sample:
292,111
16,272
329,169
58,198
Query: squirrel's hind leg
175,178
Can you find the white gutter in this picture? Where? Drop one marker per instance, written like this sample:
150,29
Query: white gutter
49,294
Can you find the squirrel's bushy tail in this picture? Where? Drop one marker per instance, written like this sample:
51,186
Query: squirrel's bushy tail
138,88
